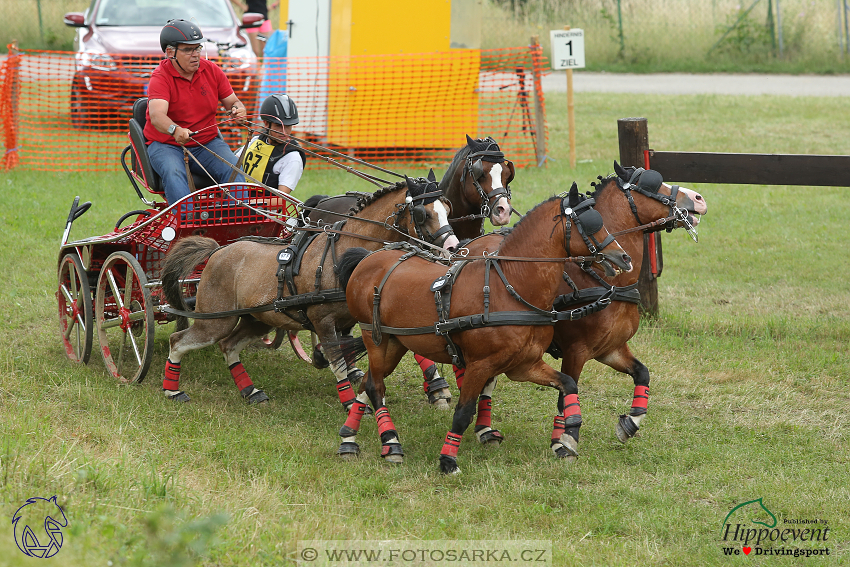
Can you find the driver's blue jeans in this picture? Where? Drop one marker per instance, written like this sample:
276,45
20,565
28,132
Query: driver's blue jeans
167,161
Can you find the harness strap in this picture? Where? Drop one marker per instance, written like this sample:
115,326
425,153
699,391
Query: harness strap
217,315
376,297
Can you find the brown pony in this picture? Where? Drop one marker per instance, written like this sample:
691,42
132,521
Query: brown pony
394,302
628,200
244,276
476,185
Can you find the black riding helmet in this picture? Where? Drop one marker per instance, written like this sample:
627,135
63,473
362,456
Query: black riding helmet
179,31
279,108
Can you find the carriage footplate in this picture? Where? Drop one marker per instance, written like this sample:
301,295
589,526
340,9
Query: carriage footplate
177,395
253,395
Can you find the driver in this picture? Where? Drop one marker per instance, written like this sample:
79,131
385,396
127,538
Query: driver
183,95
274,155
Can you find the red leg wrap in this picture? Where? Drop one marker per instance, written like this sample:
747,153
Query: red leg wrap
423,362
345,391
240,376
451,444
172,376
558,427
459,374
641,398
485,407
355,414
385,423
571,406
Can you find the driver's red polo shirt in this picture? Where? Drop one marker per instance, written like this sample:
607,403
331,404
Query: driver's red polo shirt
192,105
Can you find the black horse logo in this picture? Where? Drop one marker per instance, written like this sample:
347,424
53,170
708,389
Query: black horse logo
39,512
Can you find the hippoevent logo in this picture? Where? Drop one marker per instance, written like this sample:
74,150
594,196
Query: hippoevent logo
752,529
38,527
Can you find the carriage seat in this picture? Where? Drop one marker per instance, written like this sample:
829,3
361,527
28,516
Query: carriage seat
139,157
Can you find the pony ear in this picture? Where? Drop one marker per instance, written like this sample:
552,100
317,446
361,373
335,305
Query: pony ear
431,176
621,173
469,141
573,195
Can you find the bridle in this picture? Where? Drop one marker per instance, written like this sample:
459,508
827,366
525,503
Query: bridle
416,206
647,182
474,167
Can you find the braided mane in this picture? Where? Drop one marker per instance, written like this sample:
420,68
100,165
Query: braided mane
363,202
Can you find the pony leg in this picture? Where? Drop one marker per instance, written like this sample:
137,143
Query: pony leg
435,386
346,377
483,427
565,433
460,423
383,359
245,333
348,432
197,336
623,361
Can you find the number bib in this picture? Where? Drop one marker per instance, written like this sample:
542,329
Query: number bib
257,158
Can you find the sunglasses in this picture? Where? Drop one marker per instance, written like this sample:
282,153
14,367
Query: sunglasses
190,50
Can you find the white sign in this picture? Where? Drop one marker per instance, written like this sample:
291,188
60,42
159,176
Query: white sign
567,49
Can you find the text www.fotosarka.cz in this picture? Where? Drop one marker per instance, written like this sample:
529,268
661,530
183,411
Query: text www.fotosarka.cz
437,553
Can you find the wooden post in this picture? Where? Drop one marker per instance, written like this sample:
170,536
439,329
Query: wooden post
634,139
539,117
571,115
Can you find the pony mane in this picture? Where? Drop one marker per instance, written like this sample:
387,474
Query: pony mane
457,161
363,202
523,224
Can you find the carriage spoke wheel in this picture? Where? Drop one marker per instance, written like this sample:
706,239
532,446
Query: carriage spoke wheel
75,309
124,317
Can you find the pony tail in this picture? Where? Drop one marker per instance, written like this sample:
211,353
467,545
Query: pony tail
347,263
180,261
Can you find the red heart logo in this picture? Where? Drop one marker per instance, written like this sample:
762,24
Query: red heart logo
747,550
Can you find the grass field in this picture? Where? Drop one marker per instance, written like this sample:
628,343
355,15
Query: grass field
749,363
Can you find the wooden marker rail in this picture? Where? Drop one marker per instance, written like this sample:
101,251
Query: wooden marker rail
704,167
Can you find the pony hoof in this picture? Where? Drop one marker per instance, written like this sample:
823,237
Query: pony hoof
319,360
253,395
440,404
492,438
348,450
448,465
626,428
565,448
177,396
392,453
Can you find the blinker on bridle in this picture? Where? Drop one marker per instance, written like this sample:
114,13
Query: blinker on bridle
475,168
420,215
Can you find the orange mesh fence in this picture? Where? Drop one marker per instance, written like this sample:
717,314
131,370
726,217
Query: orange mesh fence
64,112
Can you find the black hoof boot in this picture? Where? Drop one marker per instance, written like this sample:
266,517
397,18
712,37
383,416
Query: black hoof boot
448,465
348,450
177,396
492,437
254,395
392,453
319,360
626,428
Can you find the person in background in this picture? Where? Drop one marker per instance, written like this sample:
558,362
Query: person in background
183,96
257,7
273,157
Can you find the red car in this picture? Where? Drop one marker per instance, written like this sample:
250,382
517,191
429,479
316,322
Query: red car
117,45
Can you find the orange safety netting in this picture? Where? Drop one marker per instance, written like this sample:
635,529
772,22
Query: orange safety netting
64,112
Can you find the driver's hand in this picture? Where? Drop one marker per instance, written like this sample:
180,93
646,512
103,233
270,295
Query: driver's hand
238,111
181,135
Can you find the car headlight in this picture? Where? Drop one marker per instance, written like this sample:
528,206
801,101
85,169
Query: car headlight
99,61
239,57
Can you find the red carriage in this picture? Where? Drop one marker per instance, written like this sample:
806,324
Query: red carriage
111,282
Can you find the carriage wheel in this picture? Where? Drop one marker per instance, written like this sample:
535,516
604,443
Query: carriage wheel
75,309
125,318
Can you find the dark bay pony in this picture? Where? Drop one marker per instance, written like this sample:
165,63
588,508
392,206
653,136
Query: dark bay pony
627,200
386,294
244,276
477,186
